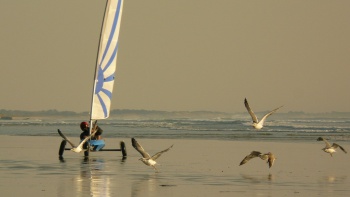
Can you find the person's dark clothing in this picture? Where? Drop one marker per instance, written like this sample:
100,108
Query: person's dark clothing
86,133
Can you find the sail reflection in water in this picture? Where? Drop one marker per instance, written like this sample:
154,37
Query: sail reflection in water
91,179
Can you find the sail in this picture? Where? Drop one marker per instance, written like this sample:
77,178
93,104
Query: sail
106,61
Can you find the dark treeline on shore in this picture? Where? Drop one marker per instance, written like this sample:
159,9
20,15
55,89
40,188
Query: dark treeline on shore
130,113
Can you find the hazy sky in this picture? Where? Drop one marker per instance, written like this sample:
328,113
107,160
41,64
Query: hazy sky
179,55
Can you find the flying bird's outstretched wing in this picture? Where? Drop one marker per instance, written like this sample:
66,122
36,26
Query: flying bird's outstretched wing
271,159
78,148
252,155
86,139
65,138
337,145
155,156
139,148
328,145
250,111
269,114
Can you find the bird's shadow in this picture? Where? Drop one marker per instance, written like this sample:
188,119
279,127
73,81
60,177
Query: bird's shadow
258,178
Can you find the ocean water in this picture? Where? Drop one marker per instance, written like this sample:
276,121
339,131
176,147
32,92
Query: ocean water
218,129
197,167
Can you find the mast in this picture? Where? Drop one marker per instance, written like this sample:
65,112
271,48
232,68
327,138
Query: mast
96,71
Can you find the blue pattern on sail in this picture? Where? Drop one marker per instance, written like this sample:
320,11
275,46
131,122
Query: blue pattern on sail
112,34
107,62
112,58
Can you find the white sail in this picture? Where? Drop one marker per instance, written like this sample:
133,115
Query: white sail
106,61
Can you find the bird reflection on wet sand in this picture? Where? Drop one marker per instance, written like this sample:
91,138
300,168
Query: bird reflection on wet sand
145,183
258,179
332,179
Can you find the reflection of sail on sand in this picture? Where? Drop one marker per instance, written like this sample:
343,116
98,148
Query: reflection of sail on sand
91,179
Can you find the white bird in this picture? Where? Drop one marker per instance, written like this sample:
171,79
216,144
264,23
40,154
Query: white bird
146,158
78,148
330,149
267,156
256,123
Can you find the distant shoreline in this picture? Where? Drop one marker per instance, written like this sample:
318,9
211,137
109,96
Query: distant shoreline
155,114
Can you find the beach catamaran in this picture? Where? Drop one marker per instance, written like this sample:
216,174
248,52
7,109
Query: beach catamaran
103,78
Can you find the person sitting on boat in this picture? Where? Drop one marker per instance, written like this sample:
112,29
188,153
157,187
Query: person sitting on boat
96,140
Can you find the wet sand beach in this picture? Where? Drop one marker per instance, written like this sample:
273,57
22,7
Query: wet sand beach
30,165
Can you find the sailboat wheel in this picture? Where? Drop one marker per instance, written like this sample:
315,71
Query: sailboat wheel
123,148
62,148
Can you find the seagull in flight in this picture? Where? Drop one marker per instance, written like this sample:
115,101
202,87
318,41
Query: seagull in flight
146,158
330,149
78,148
267,156
256,123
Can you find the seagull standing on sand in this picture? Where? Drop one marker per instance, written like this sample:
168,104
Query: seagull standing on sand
146,158
267,156
330,149
256,124
78,148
